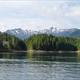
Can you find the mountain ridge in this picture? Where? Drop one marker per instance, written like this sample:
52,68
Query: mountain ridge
24,34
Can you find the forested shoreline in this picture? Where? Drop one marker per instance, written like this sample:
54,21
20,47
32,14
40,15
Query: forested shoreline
9,43
42,42
52,43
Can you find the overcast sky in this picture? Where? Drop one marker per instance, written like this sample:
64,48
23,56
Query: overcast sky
39,14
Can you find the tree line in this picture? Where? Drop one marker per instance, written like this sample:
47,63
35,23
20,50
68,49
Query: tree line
50,42
39,42
8,42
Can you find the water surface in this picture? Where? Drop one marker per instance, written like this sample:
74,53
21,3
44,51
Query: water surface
40,67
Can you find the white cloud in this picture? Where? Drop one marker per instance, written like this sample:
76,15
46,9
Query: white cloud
74,11
37,14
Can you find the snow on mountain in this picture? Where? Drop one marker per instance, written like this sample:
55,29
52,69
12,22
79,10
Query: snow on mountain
24,34
21,34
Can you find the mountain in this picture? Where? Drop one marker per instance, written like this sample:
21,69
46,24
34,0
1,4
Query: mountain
21,34
66,32
24,34
76,33
70,33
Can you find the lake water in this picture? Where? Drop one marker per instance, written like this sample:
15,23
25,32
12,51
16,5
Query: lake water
26,67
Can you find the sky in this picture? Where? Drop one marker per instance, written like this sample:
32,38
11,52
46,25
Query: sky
39,14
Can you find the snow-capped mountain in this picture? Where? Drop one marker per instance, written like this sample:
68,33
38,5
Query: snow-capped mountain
21,34
24,34
65,32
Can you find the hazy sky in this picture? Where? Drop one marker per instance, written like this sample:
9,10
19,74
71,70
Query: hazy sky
39,14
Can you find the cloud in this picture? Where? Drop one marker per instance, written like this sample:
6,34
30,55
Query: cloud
37,14
74,11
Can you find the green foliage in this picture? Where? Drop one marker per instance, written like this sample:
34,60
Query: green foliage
8,42
49,42
20,45
39,42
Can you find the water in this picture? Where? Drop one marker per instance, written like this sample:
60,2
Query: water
60,68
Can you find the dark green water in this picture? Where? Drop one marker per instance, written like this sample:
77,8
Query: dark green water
40,66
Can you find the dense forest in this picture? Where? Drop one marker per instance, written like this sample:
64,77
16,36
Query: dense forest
52,43
39,42
8,42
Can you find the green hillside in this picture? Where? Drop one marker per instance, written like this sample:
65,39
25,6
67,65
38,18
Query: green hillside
49,42
39,42
8,42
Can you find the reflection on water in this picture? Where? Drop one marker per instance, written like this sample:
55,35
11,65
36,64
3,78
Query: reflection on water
53,56
39,66
43,56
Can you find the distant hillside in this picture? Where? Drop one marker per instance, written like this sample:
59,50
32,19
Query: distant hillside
8,42
66,32
76,33
19,33
25,34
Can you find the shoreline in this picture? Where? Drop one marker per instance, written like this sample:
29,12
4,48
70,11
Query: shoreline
41,51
